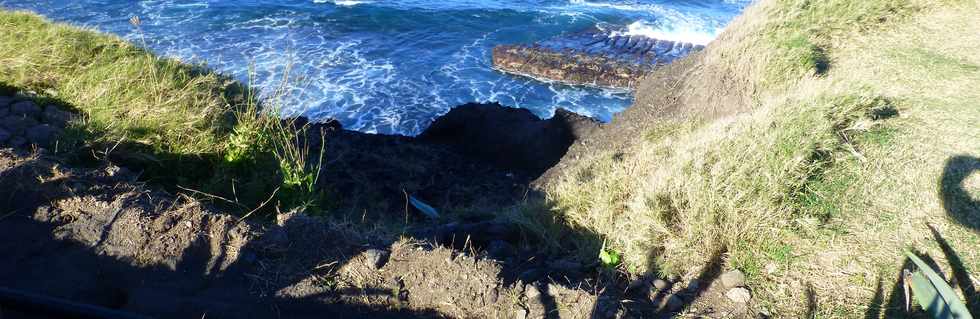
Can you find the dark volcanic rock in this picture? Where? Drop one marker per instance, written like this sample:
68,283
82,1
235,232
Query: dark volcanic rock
479,157
42,134
508,138
16,125
55,116
591,58
5,101
4,135
26,108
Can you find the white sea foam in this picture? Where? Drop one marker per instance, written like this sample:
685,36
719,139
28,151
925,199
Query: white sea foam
671,24
343,3
390,71
675,33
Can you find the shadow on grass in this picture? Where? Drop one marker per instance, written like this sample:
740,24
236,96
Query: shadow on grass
960,205
897,302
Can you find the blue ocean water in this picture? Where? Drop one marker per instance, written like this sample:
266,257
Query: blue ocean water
388,66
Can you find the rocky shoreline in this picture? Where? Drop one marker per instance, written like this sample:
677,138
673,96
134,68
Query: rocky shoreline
591,58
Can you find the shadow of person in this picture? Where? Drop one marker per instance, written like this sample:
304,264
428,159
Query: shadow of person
960,205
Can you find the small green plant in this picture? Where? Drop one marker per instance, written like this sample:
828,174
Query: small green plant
608,258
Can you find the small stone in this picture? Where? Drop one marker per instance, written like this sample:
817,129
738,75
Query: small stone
55,116
531,292
670,303
25,95
733,279
27,108
564,265
41,134
532,275
521,313
494,295
739,295
694,284
661,284
17,125
4,135
607,308
114,171
5,101
637,285
765,314
376,258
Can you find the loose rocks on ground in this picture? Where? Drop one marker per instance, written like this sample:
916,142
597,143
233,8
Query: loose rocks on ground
739,295
733,279
376,258
23,122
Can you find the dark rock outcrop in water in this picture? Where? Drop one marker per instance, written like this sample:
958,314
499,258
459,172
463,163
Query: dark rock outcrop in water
591,58
479,155
509,138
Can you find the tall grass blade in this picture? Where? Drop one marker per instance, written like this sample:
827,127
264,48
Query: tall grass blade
423,207
934,294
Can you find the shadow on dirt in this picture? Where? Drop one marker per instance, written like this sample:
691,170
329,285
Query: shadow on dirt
100,273
100,252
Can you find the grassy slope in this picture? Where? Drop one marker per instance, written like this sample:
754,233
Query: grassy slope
181,124
123,90
815,187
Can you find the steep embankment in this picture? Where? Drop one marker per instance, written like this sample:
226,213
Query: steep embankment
807,146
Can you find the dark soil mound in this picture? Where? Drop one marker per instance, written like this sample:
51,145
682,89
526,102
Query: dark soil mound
478,156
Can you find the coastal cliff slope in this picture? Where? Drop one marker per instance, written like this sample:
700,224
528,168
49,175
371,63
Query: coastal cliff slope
807,146
779,172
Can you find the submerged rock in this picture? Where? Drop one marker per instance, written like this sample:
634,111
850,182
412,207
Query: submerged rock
591,58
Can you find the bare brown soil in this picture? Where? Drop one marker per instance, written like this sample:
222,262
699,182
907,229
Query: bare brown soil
98,237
